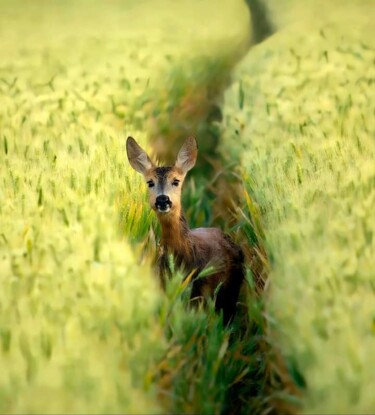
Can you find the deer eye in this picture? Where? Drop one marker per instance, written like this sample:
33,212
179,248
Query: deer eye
175,182
150,183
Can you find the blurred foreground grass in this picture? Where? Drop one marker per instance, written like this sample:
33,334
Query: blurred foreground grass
300,119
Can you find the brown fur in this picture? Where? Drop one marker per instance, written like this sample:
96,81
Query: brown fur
192,249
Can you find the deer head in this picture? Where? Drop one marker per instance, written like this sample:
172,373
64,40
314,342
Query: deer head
164,183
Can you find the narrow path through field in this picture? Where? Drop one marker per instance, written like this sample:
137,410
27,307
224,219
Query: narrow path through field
215,196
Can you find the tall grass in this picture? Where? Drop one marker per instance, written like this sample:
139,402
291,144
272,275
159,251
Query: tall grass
301,115
77,312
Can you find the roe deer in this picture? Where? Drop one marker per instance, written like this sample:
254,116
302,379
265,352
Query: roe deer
192,249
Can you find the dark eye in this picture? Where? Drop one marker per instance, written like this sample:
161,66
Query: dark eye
150,183
175,182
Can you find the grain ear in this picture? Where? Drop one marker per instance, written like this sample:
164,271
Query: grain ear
137,157
187,155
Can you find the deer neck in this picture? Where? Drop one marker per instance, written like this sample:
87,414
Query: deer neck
175,234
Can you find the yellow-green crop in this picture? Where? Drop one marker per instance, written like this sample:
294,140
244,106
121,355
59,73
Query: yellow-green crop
301,115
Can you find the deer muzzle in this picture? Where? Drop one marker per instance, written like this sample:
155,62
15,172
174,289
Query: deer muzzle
163,203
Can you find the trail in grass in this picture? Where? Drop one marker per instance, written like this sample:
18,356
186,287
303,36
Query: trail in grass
215,196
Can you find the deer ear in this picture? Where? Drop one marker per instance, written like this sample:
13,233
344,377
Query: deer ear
187,155
137,157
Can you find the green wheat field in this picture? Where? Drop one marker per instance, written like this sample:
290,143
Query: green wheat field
84,326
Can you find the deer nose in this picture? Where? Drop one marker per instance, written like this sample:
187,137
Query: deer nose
163,203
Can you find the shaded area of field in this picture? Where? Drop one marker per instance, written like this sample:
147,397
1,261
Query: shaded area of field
300,120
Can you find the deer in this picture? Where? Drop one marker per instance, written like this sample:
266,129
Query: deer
192,249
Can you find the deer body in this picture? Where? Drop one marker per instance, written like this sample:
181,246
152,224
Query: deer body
192,249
